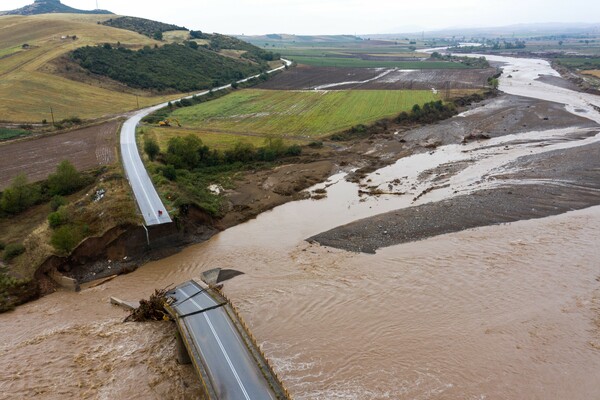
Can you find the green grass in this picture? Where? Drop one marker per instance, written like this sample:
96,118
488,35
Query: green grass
359,63
580,62
6,134
298,113
9,51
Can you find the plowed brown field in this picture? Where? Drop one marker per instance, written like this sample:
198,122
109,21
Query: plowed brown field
307,77
86,148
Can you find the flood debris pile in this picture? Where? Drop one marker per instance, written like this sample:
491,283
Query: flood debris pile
152,309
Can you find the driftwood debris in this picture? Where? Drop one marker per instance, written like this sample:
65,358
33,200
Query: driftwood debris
152,309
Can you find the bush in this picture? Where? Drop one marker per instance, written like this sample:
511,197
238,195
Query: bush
169,172
64,239
56,202
242,151
294,150
19,196
66,180
58,218
2,245
316,145
12,251
151,148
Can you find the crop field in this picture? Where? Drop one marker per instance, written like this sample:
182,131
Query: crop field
583,63
86,148
593,72
361,63
27,92
298,114
214,140
6,133
306,77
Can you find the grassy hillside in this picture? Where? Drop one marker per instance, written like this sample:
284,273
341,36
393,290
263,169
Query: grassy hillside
298,113
27,91
30,84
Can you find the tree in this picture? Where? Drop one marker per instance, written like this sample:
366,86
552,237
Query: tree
64,239
494,83
151,148
66,180
185,152
19,196
158,35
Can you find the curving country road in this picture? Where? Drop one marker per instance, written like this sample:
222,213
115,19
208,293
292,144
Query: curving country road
149,202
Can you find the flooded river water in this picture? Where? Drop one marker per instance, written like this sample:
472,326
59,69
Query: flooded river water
502,312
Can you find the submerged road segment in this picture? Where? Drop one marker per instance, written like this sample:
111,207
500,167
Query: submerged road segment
228,368
149,202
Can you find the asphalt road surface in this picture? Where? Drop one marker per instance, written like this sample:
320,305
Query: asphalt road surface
230,366
148,200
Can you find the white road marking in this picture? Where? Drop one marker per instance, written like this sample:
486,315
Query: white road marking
225,354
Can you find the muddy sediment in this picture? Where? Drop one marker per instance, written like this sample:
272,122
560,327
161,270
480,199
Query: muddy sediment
567,181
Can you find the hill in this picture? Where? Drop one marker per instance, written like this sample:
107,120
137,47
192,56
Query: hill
37,73
172,66
50,7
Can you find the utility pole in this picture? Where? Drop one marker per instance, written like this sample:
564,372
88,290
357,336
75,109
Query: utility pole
137,99
97,8
52,113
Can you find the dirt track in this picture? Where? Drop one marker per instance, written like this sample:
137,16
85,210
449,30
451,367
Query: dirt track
37,158
307,77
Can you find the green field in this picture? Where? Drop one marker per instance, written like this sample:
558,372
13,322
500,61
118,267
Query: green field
580,62
359,63
6,134
297,113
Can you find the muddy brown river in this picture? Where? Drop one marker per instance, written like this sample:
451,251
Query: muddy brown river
502,312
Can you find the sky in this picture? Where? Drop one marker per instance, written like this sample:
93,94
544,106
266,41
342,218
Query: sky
342,16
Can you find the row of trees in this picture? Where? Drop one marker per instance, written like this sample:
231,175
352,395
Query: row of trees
429,112
190,153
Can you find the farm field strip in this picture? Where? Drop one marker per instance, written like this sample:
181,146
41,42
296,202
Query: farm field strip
298,113
593,72
215,140
360,63
308,77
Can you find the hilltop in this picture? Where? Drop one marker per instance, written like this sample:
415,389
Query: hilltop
50,7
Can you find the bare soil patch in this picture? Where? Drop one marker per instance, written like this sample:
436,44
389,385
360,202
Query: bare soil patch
307,77
37,158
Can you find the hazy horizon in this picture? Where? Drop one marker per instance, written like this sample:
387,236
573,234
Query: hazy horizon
329,17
